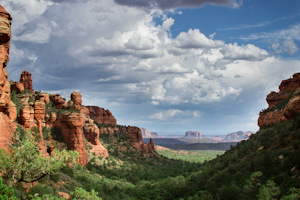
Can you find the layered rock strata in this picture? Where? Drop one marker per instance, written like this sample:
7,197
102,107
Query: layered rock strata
7,107
289,90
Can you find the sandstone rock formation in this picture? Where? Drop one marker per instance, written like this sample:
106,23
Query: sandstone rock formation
39,114
290,84
147,134
218,138
71,124
26,80
58,101
91,132
288,89
27,116
44,97
192,135
18,87
7,108
100,115
292,108
136,135
238,136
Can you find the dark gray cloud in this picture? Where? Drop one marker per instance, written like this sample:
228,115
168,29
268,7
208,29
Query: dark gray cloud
173,4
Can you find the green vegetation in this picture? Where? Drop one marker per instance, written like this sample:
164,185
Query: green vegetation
17,101
24,164
199,156
266,166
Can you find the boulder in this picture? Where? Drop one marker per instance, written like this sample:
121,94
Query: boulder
292,108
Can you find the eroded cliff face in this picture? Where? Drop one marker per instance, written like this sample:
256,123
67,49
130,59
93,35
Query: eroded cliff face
283,105
7,107
137,141
99,115
71,124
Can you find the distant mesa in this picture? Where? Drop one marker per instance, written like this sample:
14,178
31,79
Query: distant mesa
218,138
192,135
147,134
238,136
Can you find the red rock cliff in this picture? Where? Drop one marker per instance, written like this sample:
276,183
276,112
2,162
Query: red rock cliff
8,111
288,89
99,115
71,124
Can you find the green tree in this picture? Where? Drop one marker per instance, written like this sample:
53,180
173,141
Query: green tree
80,194
25,162
6,193
252,185
268,191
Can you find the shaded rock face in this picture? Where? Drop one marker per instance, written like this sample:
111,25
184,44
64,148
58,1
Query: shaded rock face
7,108
292,109
289,88
71,125
100,115
59,102
91,132
16,86
6,105
7,129
26,80
192,135
136,135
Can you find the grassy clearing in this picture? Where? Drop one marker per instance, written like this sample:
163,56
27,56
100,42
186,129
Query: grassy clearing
197,156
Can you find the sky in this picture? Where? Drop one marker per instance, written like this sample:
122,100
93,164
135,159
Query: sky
169,66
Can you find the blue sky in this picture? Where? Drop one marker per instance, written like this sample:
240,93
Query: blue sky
166,65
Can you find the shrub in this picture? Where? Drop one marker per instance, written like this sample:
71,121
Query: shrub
16,101
46,133
81,193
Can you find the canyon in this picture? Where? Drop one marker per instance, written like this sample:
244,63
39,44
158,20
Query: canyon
76,123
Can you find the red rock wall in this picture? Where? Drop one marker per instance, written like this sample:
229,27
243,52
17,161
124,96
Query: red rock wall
71,125
7,108
100,115
290,84
286,89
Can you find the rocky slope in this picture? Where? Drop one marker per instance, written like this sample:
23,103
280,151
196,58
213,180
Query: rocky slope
283,105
